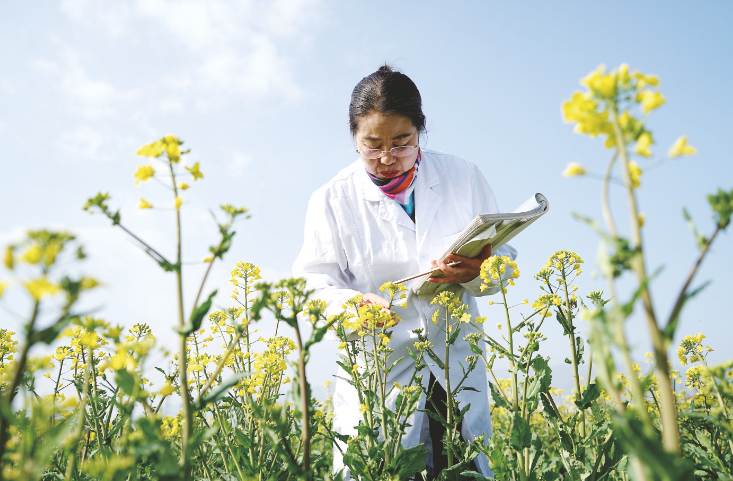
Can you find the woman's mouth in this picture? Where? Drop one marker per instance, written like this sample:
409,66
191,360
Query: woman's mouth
389,173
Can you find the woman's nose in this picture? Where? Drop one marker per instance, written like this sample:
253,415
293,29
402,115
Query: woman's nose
387,158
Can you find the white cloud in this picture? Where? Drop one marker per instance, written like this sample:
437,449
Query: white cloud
237,46
109,16
239,162
83,142
92,98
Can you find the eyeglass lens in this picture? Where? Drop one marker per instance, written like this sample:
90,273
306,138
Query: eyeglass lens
397,152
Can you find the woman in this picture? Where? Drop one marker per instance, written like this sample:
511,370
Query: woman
385,217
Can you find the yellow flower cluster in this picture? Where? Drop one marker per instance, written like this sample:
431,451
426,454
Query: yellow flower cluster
396,292
560,263
243,277
691,349
168,144
501,270
596,109
7,350
545,300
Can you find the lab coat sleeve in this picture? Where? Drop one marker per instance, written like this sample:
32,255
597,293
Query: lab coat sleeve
484,202
322,261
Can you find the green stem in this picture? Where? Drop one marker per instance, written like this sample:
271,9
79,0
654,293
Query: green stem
670,434
605,201
304,402
18,375
449,398
187,412
383,406
227,436
571,335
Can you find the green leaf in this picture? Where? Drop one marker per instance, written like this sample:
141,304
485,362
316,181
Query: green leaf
197,317
475,475
219,391
126,381
453,337
49,334
590,394
409,462
547,405
435,358
497,397
521,435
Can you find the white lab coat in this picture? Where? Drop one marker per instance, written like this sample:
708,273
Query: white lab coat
356,239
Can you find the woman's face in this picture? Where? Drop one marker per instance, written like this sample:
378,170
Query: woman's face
384,132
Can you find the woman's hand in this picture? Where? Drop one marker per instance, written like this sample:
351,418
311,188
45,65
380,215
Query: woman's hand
370,298
466,271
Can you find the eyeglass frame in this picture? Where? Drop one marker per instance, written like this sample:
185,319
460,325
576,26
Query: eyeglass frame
390,151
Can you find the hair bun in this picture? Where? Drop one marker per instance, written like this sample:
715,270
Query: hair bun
385,68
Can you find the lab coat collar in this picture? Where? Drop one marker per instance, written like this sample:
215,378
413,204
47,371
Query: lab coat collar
426,200
427,176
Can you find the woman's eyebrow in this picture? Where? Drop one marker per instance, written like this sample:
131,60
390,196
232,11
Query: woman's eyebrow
376,139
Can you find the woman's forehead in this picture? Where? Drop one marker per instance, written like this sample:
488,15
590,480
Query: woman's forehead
378,126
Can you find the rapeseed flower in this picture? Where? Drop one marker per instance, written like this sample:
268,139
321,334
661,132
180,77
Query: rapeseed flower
680,147
634,174
195,171
144,173
649,100
573,169
643,143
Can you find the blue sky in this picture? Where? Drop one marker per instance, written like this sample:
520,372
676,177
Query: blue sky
260,90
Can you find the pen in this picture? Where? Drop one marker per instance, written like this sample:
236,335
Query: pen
452,264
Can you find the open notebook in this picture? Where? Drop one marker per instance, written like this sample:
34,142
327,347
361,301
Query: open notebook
495,229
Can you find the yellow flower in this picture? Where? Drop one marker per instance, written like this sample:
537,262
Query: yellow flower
167,390
40,288
144,173
649,100
195,171
643,143
33,254
144,204
363,408
9,257
680,147
171,147
179,201
641,220
573,169
48,375
480,319
182,186
207,259
3,285
355,368
525,302
634,174
342,346
603,84
491,303
153,149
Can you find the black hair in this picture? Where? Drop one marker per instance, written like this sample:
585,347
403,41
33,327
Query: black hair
386,91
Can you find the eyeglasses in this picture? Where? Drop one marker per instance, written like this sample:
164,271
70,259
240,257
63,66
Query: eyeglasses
401,151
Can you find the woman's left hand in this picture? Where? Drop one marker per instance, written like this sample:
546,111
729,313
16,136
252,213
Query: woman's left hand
466,271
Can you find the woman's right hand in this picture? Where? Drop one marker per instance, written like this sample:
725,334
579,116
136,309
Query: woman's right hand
374,299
